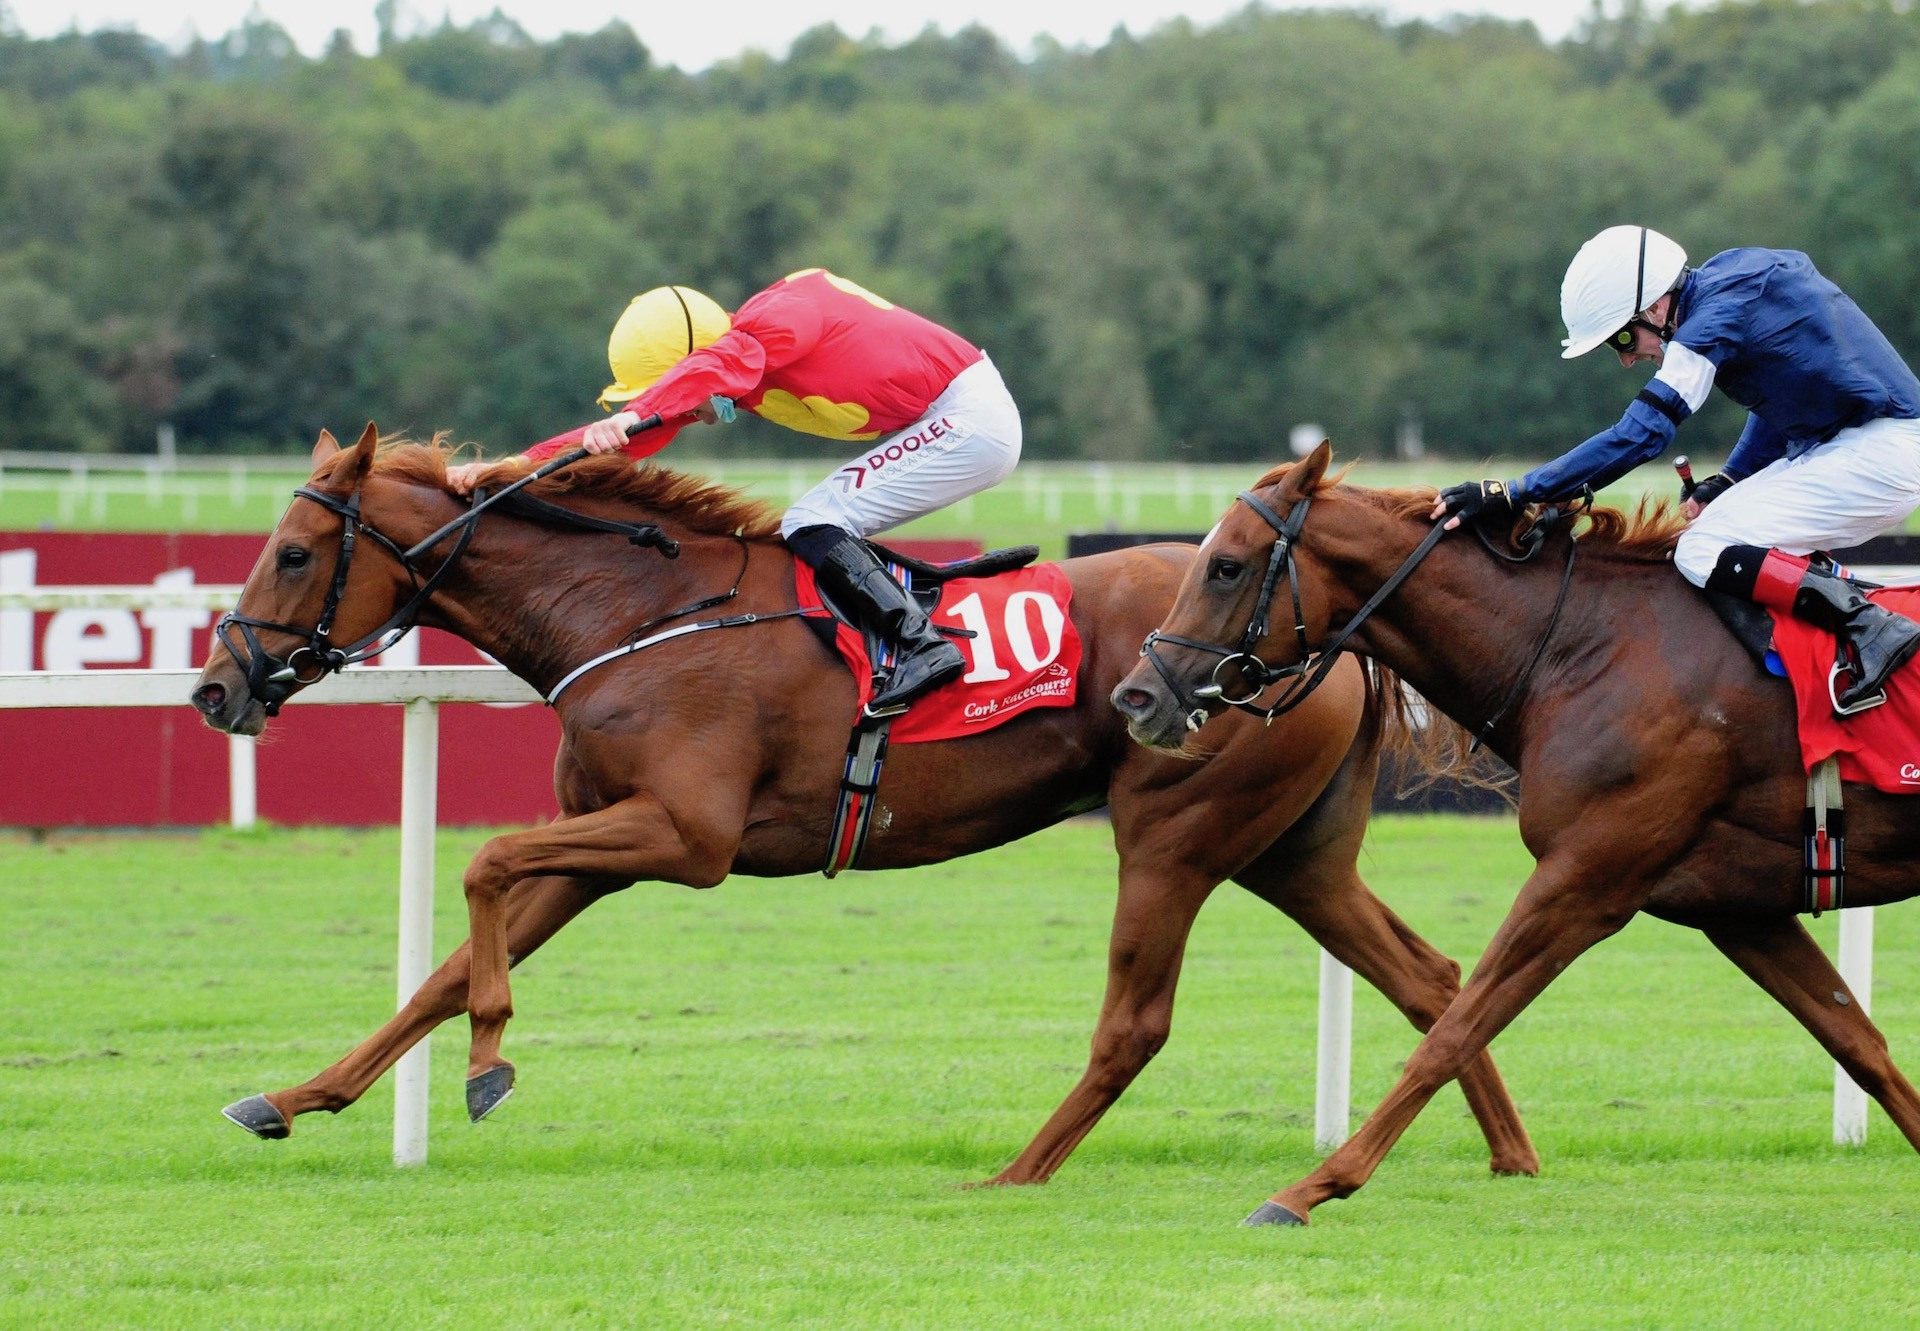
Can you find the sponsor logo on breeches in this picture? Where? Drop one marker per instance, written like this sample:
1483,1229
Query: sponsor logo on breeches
901,455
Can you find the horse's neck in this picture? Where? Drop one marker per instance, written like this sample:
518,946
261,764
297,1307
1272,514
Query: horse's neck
1463,628
540,601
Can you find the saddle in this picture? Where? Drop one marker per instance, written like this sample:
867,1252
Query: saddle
1003,560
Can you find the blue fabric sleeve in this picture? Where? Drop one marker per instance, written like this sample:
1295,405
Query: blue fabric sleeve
1760,445
1643,433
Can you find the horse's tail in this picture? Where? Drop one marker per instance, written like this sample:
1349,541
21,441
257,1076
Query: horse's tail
1422,746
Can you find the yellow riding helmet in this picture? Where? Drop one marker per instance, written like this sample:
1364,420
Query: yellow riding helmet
658,328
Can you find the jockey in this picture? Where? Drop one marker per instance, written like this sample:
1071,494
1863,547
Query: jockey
1830,455
820,354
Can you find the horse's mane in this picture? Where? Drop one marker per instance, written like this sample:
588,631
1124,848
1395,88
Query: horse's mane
1646,534
696,504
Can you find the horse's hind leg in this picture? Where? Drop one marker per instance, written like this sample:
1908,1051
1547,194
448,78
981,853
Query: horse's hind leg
537,908
1321,889
1781,957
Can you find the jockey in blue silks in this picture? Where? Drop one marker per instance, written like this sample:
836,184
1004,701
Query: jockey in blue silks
1831,451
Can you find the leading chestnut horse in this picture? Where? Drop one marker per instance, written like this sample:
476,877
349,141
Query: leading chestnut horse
1659,770
721,752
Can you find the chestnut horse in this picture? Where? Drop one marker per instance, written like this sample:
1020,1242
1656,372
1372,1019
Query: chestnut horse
1659,770
722,752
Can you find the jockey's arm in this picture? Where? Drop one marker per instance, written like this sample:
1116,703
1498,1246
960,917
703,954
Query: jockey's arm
1641,434
731,367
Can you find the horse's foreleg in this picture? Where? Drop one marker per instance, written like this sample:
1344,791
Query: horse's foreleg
1781,957
1150,927
1559,915
635,839
1328,899
536,910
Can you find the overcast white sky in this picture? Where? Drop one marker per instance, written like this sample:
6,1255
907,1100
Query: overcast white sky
694,35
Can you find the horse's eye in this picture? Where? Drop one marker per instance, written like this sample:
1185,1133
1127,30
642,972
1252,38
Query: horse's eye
1225,570
293,557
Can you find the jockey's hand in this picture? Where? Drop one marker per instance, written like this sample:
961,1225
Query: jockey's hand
1490,500
463,478
610,434
1705,493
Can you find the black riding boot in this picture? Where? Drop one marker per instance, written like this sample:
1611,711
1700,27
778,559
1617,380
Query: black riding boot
1874,642
863,587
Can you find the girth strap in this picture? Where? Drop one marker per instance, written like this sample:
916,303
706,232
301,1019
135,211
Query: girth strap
866,752
1825,828
859,784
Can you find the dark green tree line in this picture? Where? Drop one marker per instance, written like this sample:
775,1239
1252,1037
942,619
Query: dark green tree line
1176,245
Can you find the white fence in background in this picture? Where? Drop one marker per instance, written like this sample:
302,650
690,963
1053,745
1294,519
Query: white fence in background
421,689
83,489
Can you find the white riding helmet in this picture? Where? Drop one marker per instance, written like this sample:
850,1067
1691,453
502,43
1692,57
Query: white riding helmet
1614,277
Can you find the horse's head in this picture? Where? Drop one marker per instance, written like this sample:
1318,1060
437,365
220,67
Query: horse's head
306,594
1250,605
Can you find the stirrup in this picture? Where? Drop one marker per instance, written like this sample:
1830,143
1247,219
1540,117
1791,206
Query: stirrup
1866,704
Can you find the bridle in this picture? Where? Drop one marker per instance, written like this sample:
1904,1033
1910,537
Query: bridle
272,679
1312,669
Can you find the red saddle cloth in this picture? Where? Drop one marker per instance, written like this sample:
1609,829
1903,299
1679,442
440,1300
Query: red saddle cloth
1024,655
1879,748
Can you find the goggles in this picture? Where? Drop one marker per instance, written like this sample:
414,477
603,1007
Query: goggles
1622,341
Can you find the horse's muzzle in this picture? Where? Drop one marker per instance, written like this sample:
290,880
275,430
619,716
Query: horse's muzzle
1153,717
231,711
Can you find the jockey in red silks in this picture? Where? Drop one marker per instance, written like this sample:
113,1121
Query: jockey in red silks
1831,451
822,355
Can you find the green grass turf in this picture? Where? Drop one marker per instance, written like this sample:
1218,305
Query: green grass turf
755,1106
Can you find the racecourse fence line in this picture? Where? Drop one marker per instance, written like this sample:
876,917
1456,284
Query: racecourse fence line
421,690
85,489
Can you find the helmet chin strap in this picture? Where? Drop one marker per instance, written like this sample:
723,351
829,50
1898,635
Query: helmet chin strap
1672,319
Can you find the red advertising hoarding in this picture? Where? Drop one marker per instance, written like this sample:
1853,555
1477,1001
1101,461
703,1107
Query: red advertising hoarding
143,767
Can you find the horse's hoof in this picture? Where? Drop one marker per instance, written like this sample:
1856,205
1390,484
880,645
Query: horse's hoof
257,1115
486,1091
1272,1213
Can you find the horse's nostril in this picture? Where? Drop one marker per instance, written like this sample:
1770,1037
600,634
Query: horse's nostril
209,698
1135,701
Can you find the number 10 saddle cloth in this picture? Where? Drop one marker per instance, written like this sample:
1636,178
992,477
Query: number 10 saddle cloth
1023,655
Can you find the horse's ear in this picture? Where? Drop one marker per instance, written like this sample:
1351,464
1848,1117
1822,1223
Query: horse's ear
363,451
325,448
1305,478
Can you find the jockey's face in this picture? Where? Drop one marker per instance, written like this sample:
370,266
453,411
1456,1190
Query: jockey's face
1646,338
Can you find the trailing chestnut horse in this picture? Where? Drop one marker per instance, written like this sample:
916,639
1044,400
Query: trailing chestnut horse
721,752
1659,769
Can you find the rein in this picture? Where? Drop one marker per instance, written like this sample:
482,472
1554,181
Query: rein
272,679
1312,669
